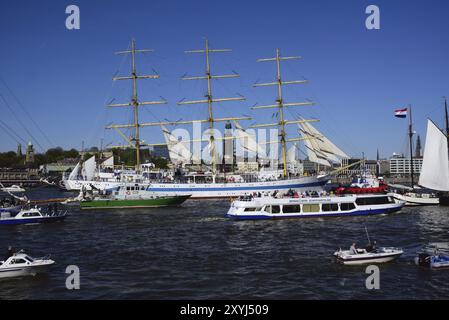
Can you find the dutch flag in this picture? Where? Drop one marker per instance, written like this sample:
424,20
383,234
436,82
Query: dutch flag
400,113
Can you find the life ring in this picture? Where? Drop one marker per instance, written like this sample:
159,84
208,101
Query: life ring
128,193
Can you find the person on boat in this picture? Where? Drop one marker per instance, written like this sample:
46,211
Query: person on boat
9,253
371,247
353,249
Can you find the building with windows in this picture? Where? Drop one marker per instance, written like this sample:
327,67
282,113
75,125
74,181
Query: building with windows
399,165
29,157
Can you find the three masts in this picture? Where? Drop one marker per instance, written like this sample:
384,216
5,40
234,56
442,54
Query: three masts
318,146
136,143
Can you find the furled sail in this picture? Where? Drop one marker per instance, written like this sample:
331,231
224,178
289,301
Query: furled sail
89,167
248,141
319,148
314,155
291,153
435,168
178,152
75,172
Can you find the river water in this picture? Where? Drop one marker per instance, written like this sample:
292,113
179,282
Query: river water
194,252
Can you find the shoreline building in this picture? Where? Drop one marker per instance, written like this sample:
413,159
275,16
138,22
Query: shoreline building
29,156
400,165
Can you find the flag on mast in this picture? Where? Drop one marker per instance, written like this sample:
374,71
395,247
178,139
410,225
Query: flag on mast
400,113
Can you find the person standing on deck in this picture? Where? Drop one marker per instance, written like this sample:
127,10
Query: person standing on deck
353,249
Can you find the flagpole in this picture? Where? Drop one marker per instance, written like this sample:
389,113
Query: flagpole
410,133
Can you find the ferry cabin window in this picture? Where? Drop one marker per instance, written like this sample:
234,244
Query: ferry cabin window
347,206
291,208
31,214
250,209
329,207
365,201
275,209
128,188
310,208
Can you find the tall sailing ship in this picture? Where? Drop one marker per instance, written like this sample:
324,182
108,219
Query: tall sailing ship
218,185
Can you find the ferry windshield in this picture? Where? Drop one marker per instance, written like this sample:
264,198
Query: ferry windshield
374,200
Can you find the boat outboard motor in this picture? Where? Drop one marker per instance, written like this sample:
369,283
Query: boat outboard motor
423,259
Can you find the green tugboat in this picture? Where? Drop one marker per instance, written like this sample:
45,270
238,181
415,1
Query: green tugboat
129,196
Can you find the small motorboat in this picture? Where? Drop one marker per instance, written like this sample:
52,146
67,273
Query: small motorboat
12,189
21,264
435,261
379,255
434,256
32,216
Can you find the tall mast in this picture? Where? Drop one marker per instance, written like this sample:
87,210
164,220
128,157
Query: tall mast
135,103
135,143
280,105
410,133
209,97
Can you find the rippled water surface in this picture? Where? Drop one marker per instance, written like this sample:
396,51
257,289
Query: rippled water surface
193,252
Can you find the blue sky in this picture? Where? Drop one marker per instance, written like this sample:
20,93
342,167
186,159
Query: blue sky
62,78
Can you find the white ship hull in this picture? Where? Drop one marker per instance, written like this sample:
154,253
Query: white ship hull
411,199
214,190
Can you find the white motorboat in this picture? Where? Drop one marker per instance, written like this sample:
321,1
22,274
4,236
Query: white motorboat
31,216
309,207
433,256
21,264
379,255
12,189
417,199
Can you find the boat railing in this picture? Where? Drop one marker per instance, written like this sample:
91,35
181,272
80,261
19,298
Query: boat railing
46,257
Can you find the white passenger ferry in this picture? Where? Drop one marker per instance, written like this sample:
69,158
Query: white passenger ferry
332,206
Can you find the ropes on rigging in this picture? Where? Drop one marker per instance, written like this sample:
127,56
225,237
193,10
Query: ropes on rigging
20,122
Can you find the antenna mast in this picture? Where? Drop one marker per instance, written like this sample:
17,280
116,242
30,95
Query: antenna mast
280,105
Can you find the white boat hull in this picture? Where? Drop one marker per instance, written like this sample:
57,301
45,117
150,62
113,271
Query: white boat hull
416,201
382,256
369,261
213,190
259,208
23,271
